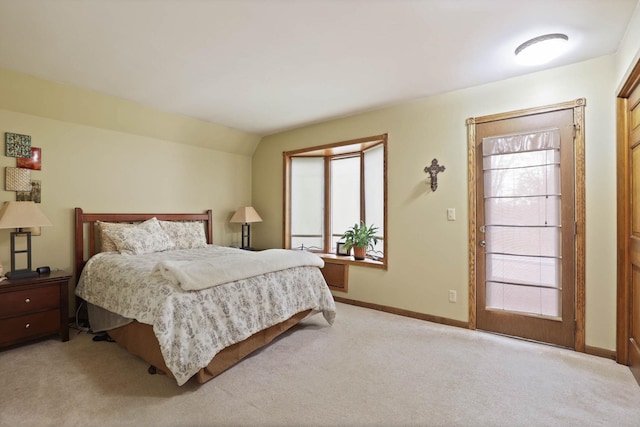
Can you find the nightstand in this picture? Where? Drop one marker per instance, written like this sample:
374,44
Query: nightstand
34,307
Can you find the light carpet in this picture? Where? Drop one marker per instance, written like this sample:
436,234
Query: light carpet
369,369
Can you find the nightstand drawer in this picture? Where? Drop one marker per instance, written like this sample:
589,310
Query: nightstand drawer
29,300
33,325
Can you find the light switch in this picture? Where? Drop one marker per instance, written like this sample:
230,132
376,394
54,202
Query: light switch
451,214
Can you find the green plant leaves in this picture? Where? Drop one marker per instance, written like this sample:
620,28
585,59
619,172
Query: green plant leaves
361,236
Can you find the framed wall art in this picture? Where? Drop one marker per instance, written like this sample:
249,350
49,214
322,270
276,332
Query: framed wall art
17,145
33,195
17,179
34,162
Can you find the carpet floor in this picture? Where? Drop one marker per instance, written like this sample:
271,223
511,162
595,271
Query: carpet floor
369,369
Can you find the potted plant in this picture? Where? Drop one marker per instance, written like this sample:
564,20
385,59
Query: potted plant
360,237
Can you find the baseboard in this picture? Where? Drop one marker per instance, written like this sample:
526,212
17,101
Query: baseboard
601,352
406,313
594,351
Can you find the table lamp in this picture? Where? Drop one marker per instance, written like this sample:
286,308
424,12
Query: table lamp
21,215
246,215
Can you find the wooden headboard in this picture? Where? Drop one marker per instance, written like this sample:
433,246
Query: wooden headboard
91,218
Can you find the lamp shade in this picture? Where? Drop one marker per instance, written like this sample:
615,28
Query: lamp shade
22,214
246,215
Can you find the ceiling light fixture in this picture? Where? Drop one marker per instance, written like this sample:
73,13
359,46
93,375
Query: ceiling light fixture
541,49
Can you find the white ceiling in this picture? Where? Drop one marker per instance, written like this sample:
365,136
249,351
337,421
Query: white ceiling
268,65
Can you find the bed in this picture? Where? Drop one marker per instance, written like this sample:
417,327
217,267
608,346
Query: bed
163,291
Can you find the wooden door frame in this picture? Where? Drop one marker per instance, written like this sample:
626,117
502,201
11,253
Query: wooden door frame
577,106
623,181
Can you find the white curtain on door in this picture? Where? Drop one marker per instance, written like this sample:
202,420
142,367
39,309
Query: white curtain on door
523,222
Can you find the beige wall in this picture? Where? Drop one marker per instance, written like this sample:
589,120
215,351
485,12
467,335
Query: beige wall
629,50
30,95
427,254
94,161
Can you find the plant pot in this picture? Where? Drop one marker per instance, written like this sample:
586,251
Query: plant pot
359,253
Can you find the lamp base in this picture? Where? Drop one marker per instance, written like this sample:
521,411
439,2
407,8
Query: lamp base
21,274
246,236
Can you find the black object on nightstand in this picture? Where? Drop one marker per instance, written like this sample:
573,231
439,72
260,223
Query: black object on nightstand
43,270
33,308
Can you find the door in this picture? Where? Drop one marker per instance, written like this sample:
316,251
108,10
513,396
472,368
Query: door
629,229
526,225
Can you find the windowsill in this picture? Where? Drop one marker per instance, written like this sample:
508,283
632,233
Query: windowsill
349,260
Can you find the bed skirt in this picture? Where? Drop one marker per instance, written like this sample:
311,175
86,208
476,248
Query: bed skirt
139,339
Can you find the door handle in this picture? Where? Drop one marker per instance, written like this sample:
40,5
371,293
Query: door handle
483,243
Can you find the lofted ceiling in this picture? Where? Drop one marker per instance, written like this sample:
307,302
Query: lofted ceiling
264,66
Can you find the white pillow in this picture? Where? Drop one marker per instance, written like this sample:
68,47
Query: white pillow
106,244
185,235
144,238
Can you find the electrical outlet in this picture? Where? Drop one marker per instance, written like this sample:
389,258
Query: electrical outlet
451,214
453,296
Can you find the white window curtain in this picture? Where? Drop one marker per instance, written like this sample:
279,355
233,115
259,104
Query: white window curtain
374,193
523,222
307,202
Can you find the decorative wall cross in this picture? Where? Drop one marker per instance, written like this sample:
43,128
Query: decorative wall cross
433,171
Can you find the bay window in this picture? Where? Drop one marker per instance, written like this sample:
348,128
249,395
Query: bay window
330,188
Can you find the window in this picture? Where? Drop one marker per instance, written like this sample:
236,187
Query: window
330,188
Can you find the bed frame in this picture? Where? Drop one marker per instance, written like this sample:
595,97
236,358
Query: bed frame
138,338
91,219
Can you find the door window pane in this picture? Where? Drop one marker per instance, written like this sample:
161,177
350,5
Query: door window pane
524,270
524,299
523,222
522,182
523,210
520,240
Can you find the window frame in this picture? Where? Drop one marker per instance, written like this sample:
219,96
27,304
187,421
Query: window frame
328,152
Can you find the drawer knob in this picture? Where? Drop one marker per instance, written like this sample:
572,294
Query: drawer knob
27,300
27,326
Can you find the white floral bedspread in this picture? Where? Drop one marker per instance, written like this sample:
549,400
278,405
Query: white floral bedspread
193,326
